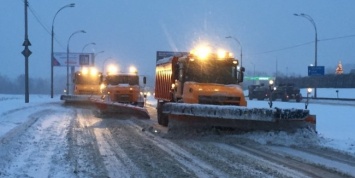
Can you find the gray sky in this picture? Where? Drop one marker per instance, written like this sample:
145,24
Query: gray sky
131,31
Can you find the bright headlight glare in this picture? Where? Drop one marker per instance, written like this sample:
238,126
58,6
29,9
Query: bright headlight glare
221,53
93,71
85,71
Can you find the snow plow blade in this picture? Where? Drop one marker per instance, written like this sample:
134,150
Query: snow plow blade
78,99
240,117
115,108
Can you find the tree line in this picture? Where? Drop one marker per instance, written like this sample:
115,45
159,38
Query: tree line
36,85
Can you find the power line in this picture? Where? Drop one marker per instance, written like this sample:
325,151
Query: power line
285,48
295,46
336,38
43,26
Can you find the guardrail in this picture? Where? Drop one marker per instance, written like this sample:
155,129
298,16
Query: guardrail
336,99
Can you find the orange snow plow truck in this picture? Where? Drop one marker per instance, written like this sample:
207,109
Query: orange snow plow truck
202,88
87,84
123,94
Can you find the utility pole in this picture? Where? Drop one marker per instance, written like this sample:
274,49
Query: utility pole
26,52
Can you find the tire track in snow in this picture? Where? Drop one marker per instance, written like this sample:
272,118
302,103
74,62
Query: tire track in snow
9,136
36,145
264,163
116,160
83,149
235,165
287,163
313,157
193,163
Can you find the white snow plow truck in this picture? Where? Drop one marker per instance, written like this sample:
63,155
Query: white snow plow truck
201,87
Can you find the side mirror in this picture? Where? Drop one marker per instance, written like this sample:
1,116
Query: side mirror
241,77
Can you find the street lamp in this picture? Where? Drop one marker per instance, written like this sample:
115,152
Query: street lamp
241,49
87,45
80,31
95,56
103,64
52,55
309,91
98,53
271,89
316,41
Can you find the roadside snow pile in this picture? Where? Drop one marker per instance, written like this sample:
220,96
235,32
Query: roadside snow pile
302,137
346,144
8,97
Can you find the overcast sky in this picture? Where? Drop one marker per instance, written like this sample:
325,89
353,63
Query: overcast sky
131,31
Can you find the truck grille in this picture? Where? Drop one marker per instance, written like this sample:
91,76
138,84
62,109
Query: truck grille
219,100
124,98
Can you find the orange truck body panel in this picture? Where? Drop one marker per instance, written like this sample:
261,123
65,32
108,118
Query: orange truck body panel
124,88
194,92
124,94
87,84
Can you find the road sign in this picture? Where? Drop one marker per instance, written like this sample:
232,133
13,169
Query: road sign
315,70
164,54
75,59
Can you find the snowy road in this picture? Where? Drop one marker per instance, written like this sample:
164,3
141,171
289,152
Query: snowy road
64,141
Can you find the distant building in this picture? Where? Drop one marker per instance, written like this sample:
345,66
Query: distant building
339,69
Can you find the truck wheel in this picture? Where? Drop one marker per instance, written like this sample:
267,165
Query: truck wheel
140,104
298,98
163,119
260,98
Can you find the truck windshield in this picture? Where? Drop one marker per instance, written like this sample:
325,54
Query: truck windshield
211,71
122,79
87,79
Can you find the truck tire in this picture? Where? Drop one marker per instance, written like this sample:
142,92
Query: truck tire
261,97
163,119
298,98
140,104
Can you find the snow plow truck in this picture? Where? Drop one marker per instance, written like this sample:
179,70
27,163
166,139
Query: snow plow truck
201,87
123,94
87,84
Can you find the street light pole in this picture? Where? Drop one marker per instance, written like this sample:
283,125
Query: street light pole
80,31
96,55
309,18
82,51
52,55
103,65
241,49
26,52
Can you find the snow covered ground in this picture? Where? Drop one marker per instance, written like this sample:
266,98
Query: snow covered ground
335,121
44,139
